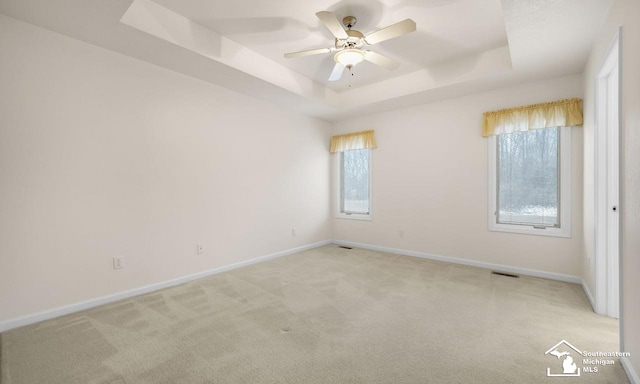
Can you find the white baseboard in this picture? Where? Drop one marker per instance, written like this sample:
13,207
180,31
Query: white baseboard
630,371
587,292
67,309
472,263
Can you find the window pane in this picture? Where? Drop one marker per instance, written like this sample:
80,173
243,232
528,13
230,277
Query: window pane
528,166
355,181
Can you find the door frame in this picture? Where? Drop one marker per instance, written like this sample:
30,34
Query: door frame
607,264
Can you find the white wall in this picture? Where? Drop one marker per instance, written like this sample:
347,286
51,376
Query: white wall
102,155
430,181
623,13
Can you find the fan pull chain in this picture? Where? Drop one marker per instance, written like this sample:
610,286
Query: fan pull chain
350,74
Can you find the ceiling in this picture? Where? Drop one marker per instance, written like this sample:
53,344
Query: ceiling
459,47
292,26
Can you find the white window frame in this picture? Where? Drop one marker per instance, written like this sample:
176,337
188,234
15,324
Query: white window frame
338,191
565,192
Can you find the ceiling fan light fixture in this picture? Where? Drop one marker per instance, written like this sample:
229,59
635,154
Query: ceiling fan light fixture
349,57
350,47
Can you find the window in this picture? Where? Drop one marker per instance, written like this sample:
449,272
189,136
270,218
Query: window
354,184
353,174
530,182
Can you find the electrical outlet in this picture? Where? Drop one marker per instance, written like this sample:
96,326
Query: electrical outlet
118,262
200,249
294,233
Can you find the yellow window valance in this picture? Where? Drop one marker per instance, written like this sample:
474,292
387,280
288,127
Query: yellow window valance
356,140
561,113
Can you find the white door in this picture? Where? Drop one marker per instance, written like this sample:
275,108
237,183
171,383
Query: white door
613,193
608,186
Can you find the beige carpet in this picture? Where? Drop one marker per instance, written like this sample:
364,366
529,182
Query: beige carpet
328,315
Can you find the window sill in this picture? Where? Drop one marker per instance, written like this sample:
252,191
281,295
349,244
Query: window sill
529,230
354,216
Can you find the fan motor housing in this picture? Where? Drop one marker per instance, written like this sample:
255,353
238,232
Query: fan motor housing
354,40
353,34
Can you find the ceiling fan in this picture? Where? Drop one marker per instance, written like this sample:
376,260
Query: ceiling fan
350,46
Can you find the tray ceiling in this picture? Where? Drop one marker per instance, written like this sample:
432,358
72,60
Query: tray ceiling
460,46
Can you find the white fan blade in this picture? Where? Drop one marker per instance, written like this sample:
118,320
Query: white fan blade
307,53
395,30
336,74
381,60
333,24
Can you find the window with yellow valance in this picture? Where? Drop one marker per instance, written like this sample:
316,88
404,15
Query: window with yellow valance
561,113
356,140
